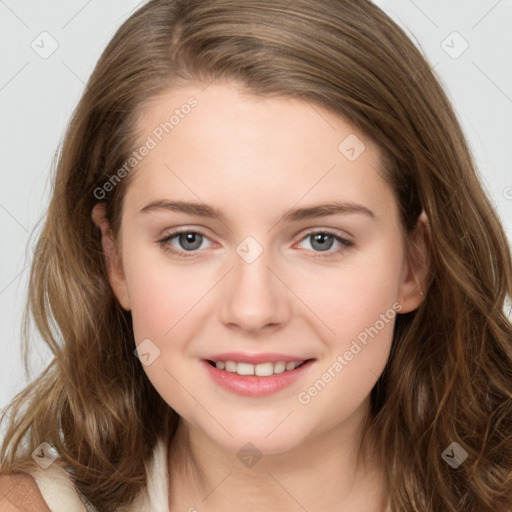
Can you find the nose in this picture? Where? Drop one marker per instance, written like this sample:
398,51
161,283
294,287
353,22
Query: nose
254,298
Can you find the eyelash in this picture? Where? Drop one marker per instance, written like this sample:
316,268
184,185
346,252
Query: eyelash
164,243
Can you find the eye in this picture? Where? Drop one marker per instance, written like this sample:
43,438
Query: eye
189,241
323,241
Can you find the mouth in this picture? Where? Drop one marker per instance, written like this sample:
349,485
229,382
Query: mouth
256,380
260,370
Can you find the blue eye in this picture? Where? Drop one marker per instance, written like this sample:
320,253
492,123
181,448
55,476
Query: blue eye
192,240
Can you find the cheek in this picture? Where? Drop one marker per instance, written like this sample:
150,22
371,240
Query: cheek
161,292
352,295
358,305
362,312
164,298
153,298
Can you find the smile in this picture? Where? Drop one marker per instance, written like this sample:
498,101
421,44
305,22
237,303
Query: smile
255,380
261,370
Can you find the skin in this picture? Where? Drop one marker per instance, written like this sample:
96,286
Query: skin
19,492
255,158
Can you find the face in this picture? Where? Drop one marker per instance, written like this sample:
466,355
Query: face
269,277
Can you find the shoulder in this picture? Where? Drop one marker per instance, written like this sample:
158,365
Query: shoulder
19,492
40,490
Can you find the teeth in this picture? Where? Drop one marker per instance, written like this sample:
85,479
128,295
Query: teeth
261,370
279,367
231,366
245,369
264,369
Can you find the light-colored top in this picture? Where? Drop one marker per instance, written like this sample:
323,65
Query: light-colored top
60,494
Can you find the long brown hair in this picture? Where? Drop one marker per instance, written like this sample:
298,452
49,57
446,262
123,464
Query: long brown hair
448,378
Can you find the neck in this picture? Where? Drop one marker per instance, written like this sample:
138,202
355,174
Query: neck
323,473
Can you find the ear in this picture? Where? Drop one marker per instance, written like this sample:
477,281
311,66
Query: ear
113,258
416,266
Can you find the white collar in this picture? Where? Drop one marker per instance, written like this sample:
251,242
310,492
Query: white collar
60,495
155,497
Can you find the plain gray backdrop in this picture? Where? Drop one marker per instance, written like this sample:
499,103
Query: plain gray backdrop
51,47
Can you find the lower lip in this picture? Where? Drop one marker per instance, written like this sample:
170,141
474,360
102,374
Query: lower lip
252,385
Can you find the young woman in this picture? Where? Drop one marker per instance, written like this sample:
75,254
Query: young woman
270,278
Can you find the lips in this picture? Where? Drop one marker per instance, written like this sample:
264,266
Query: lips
241,376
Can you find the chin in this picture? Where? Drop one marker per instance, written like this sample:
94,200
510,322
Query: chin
266,438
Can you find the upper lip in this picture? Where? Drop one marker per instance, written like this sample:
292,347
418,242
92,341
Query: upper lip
265,357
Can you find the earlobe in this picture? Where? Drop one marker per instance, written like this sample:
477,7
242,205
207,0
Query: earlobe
112,258
414,286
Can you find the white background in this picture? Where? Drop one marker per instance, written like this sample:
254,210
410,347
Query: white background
37,97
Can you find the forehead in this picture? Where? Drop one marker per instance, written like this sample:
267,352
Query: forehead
221,144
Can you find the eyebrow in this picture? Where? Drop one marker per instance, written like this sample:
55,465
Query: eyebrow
293,215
